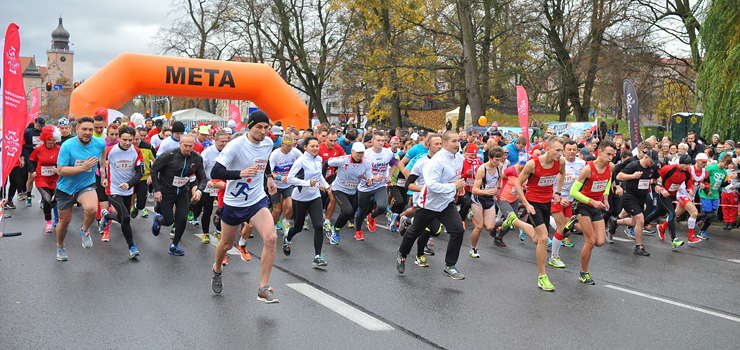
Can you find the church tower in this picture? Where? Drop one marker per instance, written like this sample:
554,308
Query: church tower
59,59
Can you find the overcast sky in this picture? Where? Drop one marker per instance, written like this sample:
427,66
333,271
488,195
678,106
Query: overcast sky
100,30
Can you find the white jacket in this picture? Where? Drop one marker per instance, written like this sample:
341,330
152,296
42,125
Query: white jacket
440,174
349,173
311,167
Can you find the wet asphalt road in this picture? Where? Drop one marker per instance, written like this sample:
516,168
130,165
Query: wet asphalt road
100,299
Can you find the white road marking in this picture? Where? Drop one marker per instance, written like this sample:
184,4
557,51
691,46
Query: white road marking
340,307
619,239
383,226
667,301
734,260
214,242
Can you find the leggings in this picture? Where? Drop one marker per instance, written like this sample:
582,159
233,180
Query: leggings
174,208
381,198
400,198
464,202
665,206
17,182
314,209
205,206
140,189
47,194
122,203
448,217
348,205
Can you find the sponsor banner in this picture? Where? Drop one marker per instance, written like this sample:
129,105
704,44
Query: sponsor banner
633,113
573,129
34,113
236,116
523,110
15,108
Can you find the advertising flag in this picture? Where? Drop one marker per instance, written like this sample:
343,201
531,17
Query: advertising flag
523,109
15,108
235,115
633,113
34,113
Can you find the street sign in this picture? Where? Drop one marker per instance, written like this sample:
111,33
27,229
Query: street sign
58,86
168,116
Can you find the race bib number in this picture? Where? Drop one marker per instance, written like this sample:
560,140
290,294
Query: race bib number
570,178
643,184
315,187
547,180
401,182
48,170
674,187
513,190
352,184
599,186
124,164
212,191
80,162
469,182
192,178
36,140
180,181
261,164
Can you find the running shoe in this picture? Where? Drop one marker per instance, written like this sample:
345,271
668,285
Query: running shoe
103,222
106,236
359,236
319,260
267,294
176,250
544,283
566,243
9,205
509,222
474,253
29,202
205,239
676,243
278,226
661,231
305,224
133,252
155,225
521,235
21,196
648,230
451,272
86,239
556,262
195,222
327,226
226,260
351,223
49,228
61,253
55,222
693,239
150,198
430,243
217,282
172,232
585,278
609,236
334,239
428,251
244,252
393,222
640,250
404,224
499,242
134,213
191,216
464,225
612,229
144,213
286,245
421,261
549,242
470,214
702,235
400,263
286,224
370,223
570,225
630,232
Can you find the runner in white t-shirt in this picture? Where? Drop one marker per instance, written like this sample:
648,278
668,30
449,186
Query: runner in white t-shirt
205,205
562,211
281,161
243,164
384,165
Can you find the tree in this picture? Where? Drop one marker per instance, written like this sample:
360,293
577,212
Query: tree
674,97
719,76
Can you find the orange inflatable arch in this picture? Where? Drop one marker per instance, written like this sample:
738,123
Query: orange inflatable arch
129,75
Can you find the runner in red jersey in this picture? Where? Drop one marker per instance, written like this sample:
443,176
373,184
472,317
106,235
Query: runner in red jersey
327,150
542,175
44,164
591,192
673,177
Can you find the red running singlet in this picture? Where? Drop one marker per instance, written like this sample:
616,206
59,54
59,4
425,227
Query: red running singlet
595,185
542,182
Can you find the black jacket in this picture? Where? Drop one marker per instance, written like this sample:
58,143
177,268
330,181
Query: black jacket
173,163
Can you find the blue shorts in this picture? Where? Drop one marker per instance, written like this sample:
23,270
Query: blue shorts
709,205
235,216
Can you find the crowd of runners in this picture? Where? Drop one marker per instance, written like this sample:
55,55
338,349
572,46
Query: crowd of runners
271,179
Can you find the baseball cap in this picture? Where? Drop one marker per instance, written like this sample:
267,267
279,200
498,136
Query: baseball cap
358,147
472,148
231,124
702,157
395,139
685,159
203,130
40,121
653,155
276,131
63,122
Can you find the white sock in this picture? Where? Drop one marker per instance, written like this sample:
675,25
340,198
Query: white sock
242,241
555,247
691,222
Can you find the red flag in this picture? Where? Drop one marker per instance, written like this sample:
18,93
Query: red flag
523,109
236,116
15,110
34,113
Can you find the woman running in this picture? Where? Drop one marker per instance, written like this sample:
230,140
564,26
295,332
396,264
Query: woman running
44,162
485,189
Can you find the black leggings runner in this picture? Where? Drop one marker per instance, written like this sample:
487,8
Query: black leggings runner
47,194
448,217
314,209
140,190
174,208
205,206
665,207
122,203
348,206
399,199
